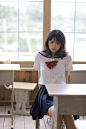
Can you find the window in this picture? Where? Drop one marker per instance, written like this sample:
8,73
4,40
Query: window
70,17
21,29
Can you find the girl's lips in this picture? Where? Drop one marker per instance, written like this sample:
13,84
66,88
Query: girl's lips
53,49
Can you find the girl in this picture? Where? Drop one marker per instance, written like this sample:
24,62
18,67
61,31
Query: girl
53,65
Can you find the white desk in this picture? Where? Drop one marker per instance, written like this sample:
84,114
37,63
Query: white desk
7,78
69,99
78,74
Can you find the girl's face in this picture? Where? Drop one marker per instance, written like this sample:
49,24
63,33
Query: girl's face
54,46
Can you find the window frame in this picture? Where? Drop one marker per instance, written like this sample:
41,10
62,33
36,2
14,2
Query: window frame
46,30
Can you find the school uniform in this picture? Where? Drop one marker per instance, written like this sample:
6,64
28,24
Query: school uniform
52,71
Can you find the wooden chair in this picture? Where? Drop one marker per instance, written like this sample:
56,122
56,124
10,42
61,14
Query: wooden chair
22,92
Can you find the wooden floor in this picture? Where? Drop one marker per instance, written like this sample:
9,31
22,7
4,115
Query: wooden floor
26,122
20,121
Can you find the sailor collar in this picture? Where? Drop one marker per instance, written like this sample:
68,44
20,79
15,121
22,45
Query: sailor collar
45,54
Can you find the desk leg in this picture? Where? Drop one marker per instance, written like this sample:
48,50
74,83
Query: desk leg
12,99
7,78
28,96
56,115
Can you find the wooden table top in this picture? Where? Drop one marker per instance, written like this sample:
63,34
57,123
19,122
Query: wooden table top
23,86
66,89
9,67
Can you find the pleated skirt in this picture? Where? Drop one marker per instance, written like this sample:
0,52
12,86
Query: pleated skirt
41,104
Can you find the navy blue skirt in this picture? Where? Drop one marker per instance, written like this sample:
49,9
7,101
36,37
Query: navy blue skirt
41,104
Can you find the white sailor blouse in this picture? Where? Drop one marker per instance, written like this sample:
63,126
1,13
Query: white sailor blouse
49,74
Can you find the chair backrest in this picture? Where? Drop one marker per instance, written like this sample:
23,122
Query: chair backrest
69,78
7,61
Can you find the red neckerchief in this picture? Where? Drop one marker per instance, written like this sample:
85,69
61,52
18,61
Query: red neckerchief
51,64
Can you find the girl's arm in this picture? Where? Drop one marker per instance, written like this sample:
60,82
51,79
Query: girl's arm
67,74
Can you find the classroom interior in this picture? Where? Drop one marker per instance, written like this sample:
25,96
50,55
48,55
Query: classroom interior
27,74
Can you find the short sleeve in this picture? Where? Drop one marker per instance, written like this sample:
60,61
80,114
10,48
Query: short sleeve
68,63
36,62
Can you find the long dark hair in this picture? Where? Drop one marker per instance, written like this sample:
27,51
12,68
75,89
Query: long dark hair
60,37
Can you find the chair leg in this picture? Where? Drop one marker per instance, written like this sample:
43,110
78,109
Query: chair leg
49,121
37,124
63,124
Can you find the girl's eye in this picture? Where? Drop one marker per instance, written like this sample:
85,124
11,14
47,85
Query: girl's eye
57,43
51,41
